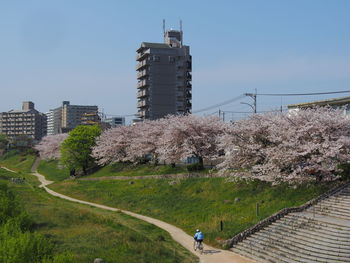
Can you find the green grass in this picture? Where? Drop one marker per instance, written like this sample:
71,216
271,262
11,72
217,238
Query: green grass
17,162
195,203
126,169
53,170
89,233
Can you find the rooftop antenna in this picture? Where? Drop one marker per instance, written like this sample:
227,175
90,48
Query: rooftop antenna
181,31
164,28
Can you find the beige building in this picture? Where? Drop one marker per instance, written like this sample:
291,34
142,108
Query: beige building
26,122
164,77
91,118
65,118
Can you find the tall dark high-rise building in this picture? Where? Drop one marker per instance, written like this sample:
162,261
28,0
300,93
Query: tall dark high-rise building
164,77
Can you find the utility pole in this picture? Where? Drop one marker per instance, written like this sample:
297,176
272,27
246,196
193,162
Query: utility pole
253,96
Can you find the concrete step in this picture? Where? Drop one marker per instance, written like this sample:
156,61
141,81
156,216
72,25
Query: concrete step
327,231
258,255
335,215
341,198
241,251
319,234
326,247
332,210
316,224
320,237
291,253
310,245
291,248
313,244
268,253
329,227
329,203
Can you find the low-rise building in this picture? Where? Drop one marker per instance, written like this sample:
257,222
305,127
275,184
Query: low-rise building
26,122
90,118
343,102
65,118
115,121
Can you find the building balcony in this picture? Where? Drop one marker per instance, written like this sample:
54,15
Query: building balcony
141,103
142,93
188,75
142,73
143,83
142,64
188,95
141,56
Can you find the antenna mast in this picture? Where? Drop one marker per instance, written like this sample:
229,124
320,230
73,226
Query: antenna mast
164,29
181,32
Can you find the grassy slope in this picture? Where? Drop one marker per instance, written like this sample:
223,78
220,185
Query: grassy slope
53,171
189,204
89,232
17,162
124,169
195,203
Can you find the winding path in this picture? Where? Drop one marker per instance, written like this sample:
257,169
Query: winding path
210,255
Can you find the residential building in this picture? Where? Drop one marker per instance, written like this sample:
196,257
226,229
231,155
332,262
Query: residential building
90,118
65,118
115,121
343,102
164,77
26,122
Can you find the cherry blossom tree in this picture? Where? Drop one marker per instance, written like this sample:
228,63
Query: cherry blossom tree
146,140
190,135
113,145
170,139
303,145
49,146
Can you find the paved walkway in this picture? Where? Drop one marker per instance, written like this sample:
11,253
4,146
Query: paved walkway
210,255
7,169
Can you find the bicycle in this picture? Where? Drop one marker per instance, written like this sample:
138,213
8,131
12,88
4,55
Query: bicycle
198,245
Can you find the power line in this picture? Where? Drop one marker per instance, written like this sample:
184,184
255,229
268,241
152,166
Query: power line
302,94
219,104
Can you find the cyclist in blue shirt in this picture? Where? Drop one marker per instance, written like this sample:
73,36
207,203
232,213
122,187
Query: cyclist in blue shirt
199,236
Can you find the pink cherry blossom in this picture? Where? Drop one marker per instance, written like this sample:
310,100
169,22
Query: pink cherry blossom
49,146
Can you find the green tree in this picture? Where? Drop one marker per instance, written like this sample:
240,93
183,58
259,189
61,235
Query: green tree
3,143
76,149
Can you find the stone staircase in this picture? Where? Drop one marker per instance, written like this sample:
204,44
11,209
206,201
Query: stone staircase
321,233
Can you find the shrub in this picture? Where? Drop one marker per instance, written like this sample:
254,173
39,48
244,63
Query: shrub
345,173
195,167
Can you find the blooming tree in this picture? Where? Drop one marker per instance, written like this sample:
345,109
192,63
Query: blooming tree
113,145
304,145
190,135
49,146
147,139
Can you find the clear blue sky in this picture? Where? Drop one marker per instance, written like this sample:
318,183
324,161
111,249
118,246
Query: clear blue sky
84,51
